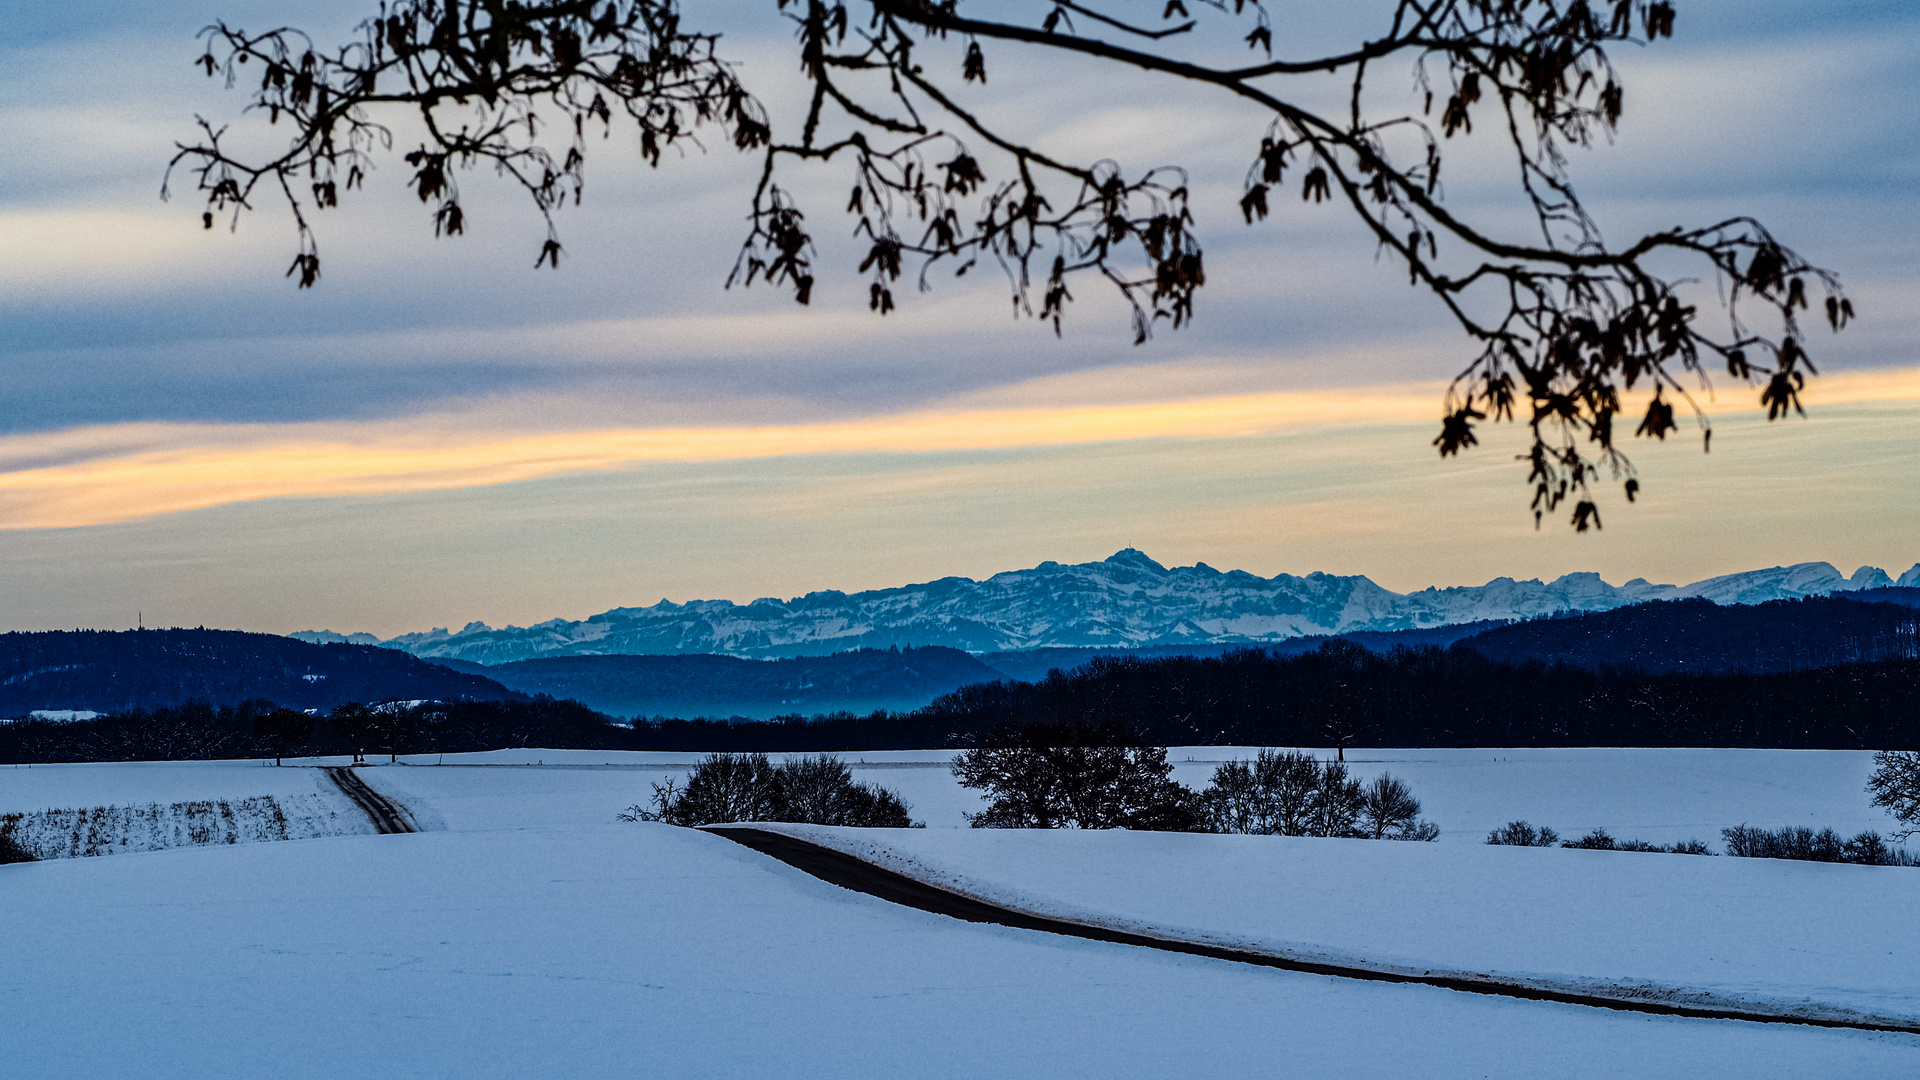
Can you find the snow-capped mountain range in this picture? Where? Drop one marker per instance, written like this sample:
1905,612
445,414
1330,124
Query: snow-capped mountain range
1127,601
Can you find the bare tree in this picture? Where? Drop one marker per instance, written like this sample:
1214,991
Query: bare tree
1387,808
1895,784
1563,323
1337,803
1291,780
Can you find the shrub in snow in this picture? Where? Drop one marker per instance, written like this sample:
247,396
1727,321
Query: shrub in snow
822,791
1895,784
1598,840
1045,776
728,787
10,850
1522,834
747,787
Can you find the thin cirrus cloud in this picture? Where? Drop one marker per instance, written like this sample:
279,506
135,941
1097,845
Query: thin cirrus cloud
121,474
184,467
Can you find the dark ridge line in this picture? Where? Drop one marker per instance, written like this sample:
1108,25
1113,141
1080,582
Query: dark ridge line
858,875
387,816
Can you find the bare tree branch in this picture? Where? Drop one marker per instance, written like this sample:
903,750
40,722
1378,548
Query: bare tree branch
1565,325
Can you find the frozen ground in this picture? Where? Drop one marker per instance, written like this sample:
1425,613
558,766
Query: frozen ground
535,937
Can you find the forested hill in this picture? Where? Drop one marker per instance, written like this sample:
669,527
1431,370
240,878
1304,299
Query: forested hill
1700,636
115,671
860,680
1343,694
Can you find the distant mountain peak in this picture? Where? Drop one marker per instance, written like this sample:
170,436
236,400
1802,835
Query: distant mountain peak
1132,557
1127,600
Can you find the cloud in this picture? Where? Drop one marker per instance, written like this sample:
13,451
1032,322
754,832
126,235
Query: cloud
186,468
118,473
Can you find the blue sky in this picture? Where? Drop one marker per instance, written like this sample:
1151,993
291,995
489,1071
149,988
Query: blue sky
438,434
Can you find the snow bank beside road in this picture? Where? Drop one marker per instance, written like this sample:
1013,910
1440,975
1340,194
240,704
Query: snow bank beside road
643,950
1800,938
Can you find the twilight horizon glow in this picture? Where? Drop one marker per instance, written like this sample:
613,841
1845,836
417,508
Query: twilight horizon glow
437,435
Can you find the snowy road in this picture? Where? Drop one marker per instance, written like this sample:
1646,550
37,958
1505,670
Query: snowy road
388,817
792,847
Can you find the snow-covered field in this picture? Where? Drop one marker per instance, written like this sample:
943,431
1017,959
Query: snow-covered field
123,783
1660,796
532,935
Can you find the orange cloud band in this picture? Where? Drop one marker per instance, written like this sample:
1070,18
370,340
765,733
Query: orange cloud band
205,467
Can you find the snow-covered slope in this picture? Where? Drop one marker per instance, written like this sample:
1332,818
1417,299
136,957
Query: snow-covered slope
1126,600
535,937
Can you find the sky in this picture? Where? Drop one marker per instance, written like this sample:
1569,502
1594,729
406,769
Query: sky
438,434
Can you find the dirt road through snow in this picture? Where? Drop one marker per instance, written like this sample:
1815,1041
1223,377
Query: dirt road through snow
851,872
387,816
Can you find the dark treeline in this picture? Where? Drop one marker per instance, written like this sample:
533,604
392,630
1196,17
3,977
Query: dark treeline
1342,694
1338,695
1702,637
920,730
200,731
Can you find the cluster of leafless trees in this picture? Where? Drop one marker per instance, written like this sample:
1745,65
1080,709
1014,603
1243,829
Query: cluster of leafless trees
1048,777
1064,777
1294,794
817,790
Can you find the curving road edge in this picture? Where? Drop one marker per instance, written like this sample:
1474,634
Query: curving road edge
858,875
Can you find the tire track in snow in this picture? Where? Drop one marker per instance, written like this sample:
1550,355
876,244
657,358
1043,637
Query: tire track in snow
387,816
858,875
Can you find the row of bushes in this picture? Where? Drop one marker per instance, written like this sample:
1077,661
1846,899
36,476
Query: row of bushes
1523,834
1048,778
11,849
1743,841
